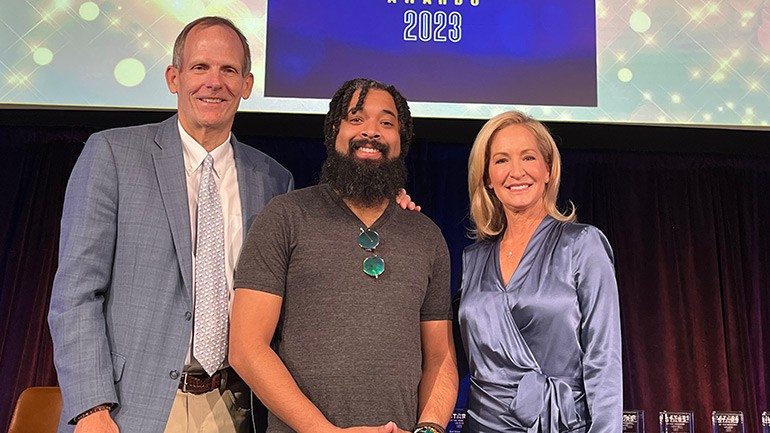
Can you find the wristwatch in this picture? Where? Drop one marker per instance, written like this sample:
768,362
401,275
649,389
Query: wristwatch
428,427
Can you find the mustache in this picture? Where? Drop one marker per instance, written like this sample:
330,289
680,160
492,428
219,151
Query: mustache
367,142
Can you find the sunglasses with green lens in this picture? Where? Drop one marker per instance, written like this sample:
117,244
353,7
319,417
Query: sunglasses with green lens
369,239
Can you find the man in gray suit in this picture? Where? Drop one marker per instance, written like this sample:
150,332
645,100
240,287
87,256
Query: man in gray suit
123,309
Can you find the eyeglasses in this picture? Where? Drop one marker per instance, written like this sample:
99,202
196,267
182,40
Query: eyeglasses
369,239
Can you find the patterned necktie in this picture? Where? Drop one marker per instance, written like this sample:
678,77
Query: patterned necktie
211,297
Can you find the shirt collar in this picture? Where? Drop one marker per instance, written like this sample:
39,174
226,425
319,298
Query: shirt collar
194,153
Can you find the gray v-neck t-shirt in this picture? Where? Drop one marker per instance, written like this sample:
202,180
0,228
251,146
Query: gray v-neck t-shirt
351,341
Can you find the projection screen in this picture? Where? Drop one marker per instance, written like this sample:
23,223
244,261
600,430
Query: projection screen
694,62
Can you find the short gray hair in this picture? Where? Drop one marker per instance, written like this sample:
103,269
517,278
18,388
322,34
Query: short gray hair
176,60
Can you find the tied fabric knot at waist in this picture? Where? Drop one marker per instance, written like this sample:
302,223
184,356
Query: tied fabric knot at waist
535,392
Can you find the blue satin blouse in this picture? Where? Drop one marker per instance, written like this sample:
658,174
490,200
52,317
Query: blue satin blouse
544,351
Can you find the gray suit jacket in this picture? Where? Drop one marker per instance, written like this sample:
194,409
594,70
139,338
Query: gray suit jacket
120,312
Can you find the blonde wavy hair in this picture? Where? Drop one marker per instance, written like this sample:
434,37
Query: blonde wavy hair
487,213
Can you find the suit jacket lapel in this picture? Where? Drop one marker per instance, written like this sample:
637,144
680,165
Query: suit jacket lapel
169,167
251,186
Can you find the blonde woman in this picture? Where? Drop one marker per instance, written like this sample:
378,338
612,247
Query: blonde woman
539,314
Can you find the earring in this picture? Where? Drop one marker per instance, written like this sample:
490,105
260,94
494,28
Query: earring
489,186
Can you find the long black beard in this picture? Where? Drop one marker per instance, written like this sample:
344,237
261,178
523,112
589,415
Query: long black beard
364,182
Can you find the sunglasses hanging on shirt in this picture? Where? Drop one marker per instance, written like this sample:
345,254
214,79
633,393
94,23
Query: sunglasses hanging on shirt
369,239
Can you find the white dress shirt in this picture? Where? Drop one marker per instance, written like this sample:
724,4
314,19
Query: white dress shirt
226,179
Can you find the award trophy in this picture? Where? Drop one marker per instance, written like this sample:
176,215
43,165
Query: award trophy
633,421
456,422
766,422
676,422
727,422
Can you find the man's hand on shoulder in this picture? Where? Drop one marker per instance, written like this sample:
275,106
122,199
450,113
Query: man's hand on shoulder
403,200
97,422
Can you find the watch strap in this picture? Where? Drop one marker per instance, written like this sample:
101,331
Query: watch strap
428,427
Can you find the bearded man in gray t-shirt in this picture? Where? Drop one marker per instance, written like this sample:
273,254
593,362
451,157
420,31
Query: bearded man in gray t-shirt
341,317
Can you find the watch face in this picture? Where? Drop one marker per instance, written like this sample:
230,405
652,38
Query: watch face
425,430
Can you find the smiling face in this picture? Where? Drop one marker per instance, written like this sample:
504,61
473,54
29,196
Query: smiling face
372,132
210,83
517,170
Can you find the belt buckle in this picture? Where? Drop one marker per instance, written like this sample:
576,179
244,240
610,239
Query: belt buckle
185,375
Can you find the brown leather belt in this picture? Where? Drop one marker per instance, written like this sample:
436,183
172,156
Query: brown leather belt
200,383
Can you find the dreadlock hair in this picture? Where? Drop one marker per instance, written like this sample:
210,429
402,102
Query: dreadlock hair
338,110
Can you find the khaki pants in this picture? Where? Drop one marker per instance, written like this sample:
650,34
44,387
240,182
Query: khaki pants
217,411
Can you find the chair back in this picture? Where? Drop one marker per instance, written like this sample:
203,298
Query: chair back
37,410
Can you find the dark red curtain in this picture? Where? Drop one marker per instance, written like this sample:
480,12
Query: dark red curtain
690,235
693,266
34,167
